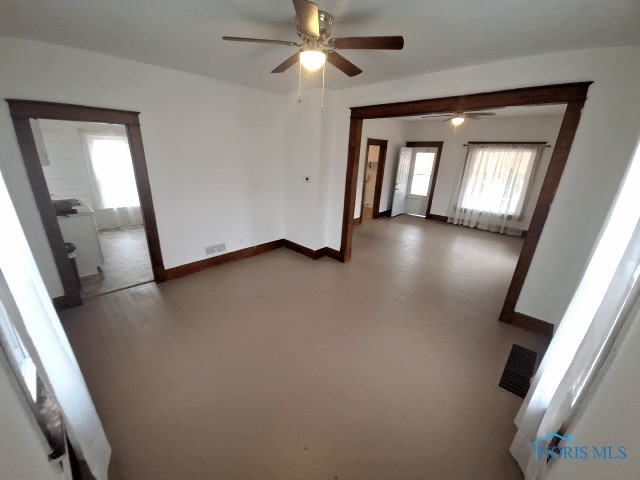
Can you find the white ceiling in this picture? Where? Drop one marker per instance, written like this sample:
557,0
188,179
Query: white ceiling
520,111
439,34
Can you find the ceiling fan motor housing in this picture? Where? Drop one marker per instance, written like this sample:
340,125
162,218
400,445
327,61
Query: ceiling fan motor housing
325,22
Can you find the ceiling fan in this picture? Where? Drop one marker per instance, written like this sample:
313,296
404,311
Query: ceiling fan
458,118
317,46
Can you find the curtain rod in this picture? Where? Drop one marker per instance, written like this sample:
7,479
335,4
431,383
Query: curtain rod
544,144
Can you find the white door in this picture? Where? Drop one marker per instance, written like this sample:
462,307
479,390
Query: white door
420,181
402,178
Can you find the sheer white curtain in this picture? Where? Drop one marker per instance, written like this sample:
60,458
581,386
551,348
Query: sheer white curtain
493,191
112,180
38,325
606,291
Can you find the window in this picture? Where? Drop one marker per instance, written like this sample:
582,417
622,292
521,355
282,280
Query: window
113,171
496,178
421,178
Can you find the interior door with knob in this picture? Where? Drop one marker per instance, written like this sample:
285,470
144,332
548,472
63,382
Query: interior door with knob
402,179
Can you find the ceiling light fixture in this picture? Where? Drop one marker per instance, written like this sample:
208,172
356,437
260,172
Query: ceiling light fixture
312,60
457,120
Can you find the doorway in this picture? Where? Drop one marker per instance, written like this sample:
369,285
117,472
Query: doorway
573,95
376,155
415,178
88,174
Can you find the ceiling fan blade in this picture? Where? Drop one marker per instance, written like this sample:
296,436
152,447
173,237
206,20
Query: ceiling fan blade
368,43
342,63
260,40
479,116
288,63
438,115
307,17
475,116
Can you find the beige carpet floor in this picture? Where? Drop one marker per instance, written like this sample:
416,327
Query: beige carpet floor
280,367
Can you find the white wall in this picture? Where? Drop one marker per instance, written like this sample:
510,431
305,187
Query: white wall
532,128
23,448
302,147
602,149
214,150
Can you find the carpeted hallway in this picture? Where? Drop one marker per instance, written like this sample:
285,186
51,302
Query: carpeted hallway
280,367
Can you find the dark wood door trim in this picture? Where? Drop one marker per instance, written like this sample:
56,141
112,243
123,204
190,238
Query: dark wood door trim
377,193
21,111
41,195
434,174
65,111
573,95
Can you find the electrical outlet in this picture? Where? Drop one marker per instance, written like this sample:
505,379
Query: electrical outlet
221,247
210,250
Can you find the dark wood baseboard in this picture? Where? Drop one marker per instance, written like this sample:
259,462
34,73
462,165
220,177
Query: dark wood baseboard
438,218
306,251
524,233
386,213
357,221
67,301
313,254
189,268
331,253
531,324
194,267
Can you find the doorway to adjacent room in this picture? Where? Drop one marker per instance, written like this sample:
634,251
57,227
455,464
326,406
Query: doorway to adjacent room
372,178
87,170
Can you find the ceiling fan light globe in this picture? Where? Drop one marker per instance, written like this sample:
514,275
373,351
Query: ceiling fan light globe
457,121
312,60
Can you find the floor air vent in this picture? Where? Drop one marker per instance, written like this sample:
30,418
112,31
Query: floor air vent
519,370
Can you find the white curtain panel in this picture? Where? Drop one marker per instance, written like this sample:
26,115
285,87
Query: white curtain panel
493,191
44,339
118,217
604,293
112,180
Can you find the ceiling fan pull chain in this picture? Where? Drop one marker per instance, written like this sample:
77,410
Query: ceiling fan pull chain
299,82
324,67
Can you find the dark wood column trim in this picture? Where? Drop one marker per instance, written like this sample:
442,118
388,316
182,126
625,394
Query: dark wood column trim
550,94
350,187
551,181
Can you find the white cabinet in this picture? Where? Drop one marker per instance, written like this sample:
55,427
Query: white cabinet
80,229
